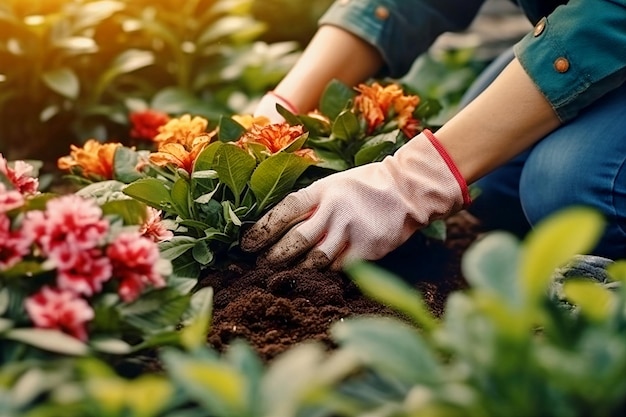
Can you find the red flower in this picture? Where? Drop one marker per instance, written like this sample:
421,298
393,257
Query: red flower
9,199
87,273
69,225
21,176
146,124
153,228
52,308
135,263
13,245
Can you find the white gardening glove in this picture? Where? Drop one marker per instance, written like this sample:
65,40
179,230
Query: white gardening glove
364,212
267,107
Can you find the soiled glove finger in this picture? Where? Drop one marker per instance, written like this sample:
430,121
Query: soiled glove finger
267,230
289,248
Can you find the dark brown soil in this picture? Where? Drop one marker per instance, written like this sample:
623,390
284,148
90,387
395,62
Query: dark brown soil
275,309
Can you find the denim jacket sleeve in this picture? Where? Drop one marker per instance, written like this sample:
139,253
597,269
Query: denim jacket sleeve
577,53
401,29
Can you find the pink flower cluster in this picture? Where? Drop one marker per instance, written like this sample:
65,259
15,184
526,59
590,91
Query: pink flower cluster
72,235
13,245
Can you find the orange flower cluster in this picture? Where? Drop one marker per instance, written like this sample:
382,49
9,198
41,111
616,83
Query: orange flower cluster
276,137
180,141
378,105
94,159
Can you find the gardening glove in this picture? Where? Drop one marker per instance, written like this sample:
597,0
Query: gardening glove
364,212
267,107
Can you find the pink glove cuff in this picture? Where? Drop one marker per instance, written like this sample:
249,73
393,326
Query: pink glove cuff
467,200
284,102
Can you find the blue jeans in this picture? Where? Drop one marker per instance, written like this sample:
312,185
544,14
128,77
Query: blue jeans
583,162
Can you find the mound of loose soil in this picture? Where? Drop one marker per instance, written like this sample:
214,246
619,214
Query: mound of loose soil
274,309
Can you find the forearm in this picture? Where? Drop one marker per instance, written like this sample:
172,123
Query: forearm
508,117
332,53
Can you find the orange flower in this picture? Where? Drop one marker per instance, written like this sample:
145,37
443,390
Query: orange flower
183,130
378,104
94,159
308,153
248,120
274,137
179,155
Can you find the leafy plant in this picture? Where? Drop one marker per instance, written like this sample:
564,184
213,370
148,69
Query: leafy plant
80,278
507,346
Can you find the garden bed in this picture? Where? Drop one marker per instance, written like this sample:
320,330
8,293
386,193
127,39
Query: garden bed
275,309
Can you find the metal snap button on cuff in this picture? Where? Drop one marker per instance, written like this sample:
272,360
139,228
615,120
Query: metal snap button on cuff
382,12
540,26
561,65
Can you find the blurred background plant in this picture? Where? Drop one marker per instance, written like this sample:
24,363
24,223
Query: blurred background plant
71,70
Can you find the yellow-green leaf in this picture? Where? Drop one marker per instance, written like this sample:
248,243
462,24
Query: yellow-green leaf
553,242
594,301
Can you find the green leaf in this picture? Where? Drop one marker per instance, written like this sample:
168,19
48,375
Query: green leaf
110,345
151,191
180,198
389,290
617,270
196,326
492,264
314,126
234,167
132,212
390,347
553,242
174,100
124,163
297,144
205,160
156,310
176,246
219,388
63,81
274,178
128,61
202,253
229,130
131,60
330,160
376,148
230,26
346,126
50,340
229,213
92,13
427,108
436,230
595,302
335,98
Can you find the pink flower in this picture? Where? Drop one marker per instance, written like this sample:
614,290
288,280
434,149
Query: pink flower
86,275
135,259
69,225
13,245
21,176
9,199
154,228
52,308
